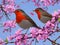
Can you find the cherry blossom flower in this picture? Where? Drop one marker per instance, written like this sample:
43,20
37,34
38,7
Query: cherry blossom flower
2,42
11,37
11,24
18,32
21,39
38,33
44,2
33,31
9,6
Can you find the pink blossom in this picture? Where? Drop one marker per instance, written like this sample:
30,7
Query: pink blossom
46,2
18,32
9,0
11,37
59,11
9,8
34,0
44,36
52,25
39,37
26,36
18,37
55,13
48,24
53,20
21,39
40,31
45,31
25,39
11,24
33,31
2,42
1,17
18,43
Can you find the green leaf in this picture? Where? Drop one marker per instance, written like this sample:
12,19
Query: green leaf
59,19
6,40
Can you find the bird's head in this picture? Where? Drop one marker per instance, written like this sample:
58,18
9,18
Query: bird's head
38,11
18,11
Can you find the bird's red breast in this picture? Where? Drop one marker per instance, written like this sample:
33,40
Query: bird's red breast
38,13
19,16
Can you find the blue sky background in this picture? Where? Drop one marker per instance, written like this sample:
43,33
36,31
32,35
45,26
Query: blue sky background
29,7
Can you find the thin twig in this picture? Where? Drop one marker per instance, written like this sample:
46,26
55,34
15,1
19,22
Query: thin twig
4,12
53,42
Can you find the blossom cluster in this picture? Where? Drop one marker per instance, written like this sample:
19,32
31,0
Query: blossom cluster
45,2
40,34
11,24
19,38
36,33
2,42
9,5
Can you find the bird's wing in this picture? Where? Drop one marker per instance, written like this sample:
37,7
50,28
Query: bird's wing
25,24
44,19
45,13
45,16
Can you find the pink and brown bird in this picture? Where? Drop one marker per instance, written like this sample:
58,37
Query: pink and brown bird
23,20
43,16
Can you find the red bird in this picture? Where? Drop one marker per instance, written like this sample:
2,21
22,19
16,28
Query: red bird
43,15
23,20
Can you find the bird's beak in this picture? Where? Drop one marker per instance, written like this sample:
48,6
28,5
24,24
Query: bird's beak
14,11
